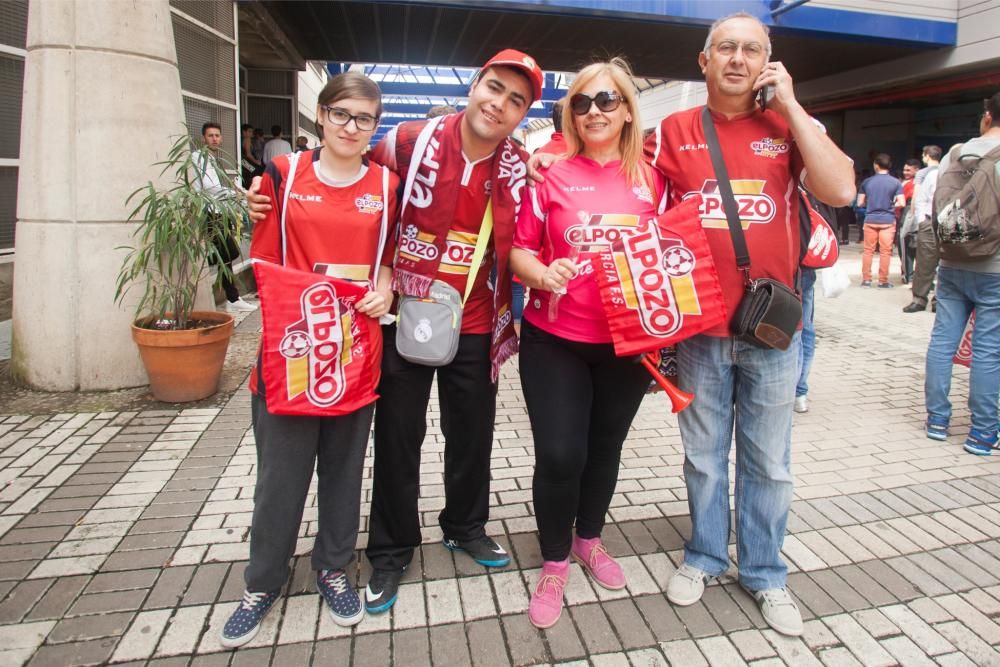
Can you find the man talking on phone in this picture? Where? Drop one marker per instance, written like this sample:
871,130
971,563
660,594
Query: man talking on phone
741,388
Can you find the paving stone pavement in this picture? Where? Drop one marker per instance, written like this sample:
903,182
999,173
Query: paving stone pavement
124,535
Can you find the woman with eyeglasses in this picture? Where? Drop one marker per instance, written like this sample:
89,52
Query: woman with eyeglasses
332,223
581,398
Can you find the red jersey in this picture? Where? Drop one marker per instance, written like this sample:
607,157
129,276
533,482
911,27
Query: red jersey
556,144
477,315
330,228
764,167
582,205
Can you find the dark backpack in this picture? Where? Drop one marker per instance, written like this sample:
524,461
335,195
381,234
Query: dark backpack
967,207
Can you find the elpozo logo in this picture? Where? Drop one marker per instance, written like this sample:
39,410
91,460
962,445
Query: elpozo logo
416,245
317,347
752,205
596,230
369,203
768,147
655,278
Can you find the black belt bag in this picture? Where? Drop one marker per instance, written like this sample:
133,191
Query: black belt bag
768,315
770,311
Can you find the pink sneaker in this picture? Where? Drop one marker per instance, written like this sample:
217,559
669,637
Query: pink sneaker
547,600
594,558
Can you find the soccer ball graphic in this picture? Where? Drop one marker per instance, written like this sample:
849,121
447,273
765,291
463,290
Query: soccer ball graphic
678,261
294,345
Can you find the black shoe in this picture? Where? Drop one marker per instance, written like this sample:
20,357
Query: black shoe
482,549
866,283
914,308
382,590
885,285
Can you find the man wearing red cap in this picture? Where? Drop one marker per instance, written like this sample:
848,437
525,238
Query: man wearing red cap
462,162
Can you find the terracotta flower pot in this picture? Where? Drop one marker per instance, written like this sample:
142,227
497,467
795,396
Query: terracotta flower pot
185,365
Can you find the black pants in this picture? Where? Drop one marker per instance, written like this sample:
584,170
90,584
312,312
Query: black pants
468,401
581,400
289,448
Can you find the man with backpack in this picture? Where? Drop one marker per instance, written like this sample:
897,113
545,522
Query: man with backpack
967,224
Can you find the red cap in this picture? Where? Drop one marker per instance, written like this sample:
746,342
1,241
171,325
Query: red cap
521,61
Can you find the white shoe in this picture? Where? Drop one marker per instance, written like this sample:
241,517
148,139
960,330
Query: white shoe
240,306
801,404
686,585
780,611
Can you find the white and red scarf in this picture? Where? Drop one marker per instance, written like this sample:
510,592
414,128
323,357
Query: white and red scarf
429,153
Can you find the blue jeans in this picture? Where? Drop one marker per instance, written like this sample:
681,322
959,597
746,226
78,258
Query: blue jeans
808,347
958,292
753,389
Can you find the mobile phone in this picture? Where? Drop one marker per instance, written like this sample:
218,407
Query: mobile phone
762,96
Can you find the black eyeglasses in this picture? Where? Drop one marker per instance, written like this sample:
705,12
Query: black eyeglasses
606,100
339,116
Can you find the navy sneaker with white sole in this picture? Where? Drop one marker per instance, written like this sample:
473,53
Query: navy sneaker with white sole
341,598
244,623
382,590
484,550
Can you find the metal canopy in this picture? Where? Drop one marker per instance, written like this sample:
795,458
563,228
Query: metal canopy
564,35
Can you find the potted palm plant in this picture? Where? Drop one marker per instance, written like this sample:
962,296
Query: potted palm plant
181,227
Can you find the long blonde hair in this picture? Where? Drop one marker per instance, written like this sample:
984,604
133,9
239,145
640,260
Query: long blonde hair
630,142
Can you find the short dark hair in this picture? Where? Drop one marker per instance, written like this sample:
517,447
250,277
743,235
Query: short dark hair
883,161
209,125
275,130
933,152
245,126
914,162
992,105
557,109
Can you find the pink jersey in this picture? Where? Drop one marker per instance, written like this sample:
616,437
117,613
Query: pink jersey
581,205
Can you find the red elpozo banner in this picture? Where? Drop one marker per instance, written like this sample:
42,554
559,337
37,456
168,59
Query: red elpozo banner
658,282
964,353
320,356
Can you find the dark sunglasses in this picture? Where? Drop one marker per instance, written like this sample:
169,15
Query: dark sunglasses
606,100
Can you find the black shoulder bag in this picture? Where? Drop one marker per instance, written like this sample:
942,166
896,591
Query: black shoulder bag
770,311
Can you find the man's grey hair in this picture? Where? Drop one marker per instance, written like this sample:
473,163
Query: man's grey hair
739,15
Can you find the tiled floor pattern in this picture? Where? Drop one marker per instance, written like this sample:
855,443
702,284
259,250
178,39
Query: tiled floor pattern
123,537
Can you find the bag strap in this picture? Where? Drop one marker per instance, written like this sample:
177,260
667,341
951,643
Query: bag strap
726,192
485,231
293,164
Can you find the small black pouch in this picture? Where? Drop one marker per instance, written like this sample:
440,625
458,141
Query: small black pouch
768,315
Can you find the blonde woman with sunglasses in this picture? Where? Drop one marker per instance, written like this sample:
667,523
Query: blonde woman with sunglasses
581,398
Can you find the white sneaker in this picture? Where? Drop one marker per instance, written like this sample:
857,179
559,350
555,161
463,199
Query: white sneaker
780,611
801,404
240,306
686,585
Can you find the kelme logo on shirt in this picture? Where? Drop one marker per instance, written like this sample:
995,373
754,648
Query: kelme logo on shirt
768,147
598,229
752,205
317,347
369,203
314,199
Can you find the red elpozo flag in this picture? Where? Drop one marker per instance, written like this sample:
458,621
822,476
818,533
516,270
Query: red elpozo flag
320,356
658,282
964,353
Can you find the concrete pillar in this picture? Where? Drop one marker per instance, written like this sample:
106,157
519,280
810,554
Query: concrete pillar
102,98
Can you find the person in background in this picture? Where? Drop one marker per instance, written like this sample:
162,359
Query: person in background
226,246
580,396
276,145
880,195
906,254
964,287
301,144
557,142
441,110
250,166
925,245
